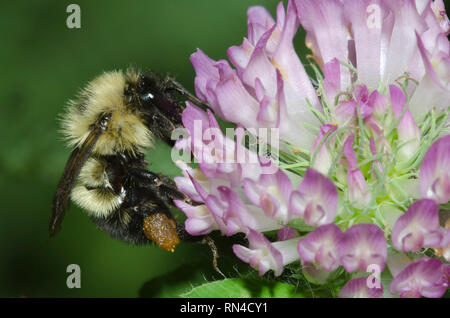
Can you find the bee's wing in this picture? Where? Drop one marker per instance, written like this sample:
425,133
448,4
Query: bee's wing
71,171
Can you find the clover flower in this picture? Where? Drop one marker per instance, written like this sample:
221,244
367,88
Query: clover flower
361,168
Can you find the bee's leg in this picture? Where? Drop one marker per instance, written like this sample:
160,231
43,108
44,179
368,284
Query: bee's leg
160,227
171,84
208,240
166,189
163,186
162,127
203,239
149,195
131,176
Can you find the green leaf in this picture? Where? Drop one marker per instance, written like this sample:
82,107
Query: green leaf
198,270
179,281
244,288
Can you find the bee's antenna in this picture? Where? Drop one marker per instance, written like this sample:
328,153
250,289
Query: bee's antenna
171,84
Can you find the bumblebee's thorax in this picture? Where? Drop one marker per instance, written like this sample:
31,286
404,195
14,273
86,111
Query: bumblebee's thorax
127,130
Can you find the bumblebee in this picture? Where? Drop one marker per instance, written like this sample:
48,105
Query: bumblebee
110,125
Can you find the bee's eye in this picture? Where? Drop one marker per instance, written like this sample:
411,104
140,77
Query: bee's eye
147,88
147,96
104,120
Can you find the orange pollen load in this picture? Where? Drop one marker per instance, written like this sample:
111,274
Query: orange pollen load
162,230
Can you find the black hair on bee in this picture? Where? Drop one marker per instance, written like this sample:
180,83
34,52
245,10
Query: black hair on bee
110,125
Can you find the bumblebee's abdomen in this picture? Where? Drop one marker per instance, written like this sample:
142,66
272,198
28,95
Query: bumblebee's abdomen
129,230
93,190
97,202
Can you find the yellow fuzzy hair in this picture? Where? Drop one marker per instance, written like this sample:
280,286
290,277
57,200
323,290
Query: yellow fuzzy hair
105,94
93,174
98,202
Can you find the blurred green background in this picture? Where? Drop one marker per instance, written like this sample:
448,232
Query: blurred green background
43,65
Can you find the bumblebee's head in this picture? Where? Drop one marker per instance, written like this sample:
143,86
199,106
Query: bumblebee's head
141,89
107,94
